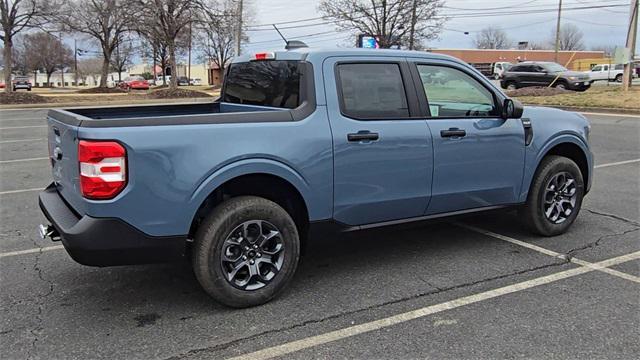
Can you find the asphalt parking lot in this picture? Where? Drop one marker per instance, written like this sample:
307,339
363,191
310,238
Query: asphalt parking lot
478,287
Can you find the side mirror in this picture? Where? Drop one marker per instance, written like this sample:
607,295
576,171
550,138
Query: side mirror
512,109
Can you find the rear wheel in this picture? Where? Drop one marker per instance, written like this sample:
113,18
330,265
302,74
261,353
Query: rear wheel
246,251
555,197
512,85
619,78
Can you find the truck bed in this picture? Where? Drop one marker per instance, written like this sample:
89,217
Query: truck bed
171,114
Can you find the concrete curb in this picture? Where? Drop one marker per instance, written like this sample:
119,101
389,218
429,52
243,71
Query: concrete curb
592,109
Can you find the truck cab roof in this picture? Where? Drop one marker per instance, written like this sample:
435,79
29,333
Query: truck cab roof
321,53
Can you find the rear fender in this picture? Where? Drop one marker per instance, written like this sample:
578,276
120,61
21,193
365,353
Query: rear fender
249,167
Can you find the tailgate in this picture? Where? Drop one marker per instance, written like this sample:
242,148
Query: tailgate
63,152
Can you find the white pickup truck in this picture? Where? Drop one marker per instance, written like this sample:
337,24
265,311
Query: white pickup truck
610,72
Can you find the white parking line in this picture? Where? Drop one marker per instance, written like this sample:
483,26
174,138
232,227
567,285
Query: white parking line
350,331
21,160
617,163
551,253
21,140
20,191
31,251
23,127
611,114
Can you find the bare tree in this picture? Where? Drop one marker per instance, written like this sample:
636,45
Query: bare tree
609,50
167,20
15,16
89,67
122,57
533,45
104,21
570,38
47,53
492,37
394,22
216,37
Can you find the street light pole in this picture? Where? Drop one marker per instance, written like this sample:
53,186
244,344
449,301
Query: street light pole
239,29
631,45
558,30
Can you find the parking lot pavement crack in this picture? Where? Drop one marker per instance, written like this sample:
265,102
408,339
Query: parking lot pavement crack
229,344
612,216
570,254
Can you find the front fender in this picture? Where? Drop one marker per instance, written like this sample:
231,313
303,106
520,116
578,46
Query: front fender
536,153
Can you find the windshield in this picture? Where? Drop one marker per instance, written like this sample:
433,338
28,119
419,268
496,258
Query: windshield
266,83
553,67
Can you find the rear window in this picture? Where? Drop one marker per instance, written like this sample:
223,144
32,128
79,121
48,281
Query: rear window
264,83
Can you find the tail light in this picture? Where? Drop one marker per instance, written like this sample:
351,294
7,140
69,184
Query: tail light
103,169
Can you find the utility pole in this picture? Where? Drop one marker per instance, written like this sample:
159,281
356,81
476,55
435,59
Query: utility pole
558,30
61,60
413,25
75,61
190,39
239,29
631,45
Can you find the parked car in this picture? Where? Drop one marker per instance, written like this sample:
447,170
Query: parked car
530,73
2,85
134,83
302,143
609,72
160,80
196,82
499,68
183,81
21,83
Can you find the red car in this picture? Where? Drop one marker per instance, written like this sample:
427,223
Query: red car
135,83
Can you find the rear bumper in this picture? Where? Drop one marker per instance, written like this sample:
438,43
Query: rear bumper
106,241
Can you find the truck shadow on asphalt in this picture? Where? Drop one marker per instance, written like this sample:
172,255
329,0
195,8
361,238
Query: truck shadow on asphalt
339,274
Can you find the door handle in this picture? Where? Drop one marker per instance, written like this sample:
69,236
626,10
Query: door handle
453,132
363,136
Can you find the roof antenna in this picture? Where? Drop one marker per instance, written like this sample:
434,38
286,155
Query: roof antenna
279,33
289,45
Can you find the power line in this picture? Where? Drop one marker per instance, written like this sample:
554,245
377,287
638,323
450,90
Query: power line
467,15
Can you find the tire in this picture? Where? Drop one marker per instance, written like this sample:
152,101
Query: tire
533,213
496,76
618,78
560,85
218,235
511,85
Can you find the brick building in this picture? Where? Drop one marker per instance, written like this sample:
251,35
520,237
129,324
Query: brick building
483,56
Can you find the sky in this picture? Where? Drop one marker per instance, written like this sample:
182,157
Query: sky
535,23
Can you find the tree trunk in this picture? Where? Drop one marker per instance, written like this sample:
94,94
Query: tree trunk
49,79
105,69
172,63
8,64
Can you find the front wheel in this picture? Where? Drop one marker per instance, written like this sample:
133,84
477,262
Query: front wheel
618,78
246,251
555,197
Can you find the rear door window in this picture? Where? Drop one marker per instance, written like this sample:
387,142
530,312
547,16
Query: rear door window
372,91
265,83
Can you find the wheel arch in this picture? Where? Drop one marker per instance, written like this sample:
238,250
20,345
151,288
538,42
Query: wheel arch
265,178
568,146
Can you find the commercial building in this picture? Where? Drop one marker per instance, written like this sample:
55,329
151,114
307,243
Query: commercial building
577,60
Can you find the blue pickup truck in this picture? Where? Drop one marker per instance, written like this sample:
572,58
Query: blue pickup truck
301,142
